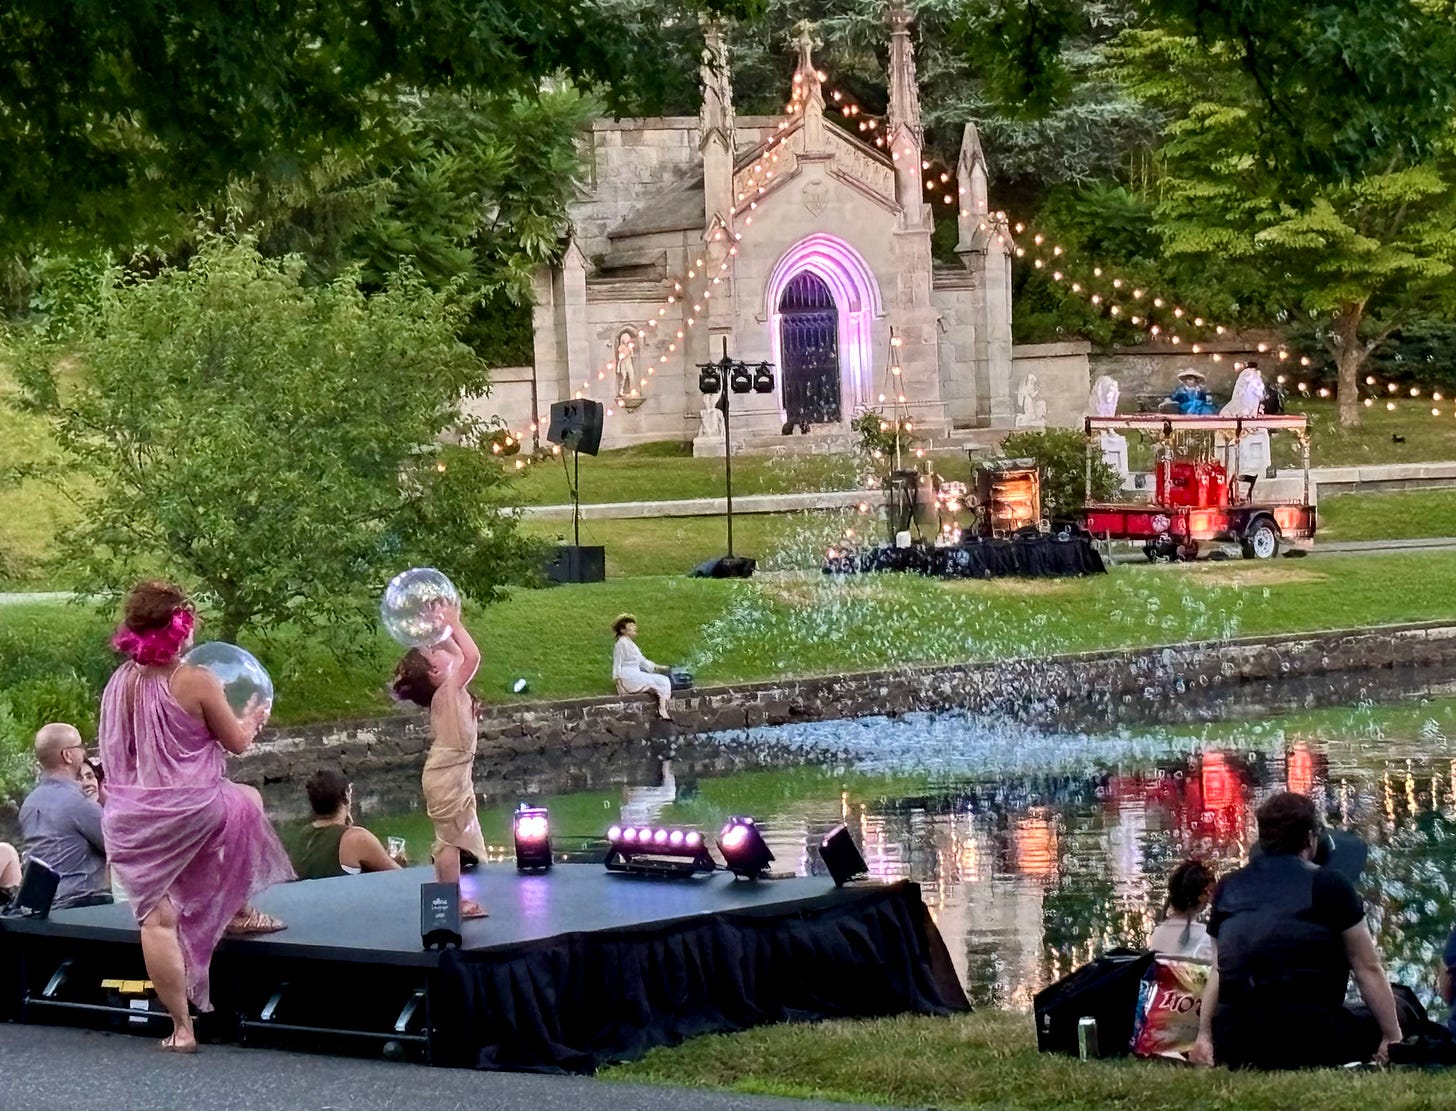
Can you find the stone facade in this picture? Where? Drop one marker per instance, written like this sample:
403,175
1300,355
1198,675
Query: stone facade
696,235
1180,682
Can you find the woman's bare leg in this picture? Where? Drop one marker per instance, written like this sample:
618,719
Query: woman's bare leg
447,865
9,866
162,952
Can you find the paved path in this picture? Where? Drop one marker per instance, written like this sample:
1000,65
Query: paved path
45,1068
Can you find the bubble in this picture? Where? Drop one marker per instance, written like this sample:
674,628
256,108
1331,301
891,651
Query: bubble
243,678
414,604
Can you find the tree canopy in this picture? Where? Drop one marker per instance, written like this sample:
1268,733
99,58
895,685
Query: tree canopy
116,118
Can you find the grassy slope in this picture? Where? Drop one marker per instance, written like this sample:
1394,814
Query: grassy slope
560,639
1398,516
989,1060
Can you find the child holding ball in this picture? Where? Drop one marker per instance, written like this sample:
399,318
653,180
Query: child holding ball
438,678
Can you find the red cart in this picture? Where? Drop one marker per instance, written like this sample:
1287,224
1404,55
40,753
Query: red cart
1199,493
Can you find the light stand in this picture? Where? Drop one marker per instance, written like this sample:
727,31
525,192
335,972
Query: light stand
729,376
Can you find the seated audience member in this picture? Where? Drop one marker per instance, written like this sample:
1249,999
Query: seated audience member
1445,981
1286,937
61,826
92,780
633,672
332,845
1179,934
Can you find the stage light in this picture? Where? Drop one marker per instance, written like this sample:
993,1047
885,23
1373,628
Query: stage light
739,379
841,857
532,832
743,849
659,852
709,380
763,379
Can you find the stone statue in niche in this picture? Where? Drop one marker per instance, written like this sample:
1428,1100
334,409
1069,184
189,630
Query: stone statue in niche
626,365
1031,404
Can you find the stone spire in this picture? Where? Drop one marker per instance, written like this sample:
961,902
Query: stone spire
715,121
807,99
905,132
971,185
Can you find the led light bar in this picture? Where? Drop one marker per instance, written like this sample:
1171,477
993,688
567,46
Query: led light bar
657,850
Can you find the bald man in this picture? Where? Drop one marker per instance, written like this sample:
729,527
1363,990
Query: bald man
61,826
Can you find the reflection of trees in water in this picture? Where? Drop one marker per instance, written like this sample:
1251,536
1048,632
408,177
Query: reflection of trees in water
1408,885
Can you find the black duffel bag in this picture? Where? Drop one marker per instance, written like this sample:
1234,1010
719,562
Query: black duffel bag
1105,990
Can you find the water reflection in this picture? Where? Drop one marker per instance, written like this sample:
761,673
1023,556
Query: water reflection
1036,850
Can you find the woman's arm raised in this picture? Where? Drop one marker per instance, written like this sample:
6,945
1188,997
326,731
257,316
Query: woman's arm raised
200,693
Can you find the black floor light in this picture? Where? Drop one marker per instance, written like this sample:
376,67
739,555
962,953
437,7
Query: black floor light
841,857
743,848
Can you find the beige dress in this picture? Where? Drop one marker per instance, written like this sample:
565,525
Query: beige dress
447,779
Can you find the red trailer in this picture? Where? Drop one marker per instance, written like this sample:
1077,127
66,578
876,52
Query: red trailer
1198,493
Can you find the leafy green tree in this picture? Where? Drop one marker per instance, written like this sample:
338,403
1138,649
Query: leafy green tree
117,119
272,442
1364,253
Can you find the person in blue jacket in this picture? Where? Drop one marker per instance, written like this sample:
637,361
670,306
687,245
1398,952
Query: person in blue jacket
1192,396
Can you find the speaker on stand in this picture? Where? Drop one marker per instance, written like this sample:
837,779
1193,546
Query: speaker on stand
576,425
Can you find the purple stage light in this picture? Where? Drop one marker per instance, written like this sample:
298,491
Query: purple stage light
531,831
648,850
743,848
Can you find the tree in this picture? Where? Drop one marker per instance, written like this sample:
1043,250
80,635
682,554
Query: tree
117,119
272,442
1365,252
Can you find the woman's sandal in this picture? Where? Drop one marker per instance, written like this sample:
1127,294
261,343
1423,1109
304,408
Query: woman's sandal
169,1045
471,909
251,921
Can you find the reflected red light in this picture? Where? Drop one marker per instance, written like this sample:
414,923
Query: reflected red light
1299,767
1220,782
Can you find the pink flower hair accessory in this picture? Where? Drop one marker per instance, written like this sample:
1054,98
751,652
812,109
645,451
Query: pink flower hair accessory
156,646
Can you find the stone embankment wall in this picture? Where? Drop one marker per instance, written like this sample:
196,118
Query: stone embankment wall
1175,683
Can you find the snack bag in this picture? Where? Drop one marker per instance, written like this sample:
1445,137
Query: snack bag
1169,1001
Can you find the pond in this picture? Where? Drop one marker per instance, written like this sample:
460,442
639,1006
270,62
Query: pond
1036,849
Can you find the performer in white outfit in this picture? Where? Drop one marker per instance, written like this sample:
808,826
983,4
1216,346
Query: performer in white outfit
634,672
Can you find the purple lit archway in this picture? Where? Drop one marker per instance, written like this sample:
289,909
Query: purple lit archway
856,300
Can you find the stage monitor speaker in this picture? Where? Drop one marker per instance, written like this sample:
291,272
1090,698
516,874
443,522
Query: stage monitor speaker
841,857
577,424
440,915
38,883
578,563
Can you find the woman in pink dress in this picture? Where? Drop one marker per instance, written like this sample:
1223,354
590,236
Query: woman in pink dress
189,848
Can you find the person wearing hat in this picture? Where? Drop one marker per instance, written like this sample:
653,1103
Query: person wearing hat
1192,396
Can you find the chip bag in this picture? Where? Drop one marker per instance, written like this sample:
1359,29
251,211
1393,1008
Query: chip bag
1169,1001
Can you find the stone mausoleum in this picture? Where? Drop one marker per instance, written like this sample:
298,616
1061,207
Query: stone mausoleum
793,242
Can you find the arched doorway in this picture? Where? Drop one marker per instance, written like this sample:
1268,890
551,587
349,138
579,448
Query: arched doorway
809,348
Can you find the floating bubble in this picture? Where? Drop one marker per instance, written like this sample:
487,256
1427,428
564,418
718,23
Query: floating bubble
244,680
414,607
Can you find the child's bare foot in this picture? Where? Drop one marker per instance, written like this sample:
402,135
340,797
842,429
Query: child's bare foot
471,909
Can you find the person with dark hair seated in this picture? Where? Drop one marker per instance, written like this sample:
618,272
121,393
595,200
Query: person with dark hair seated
332,845
1179,934
1287,936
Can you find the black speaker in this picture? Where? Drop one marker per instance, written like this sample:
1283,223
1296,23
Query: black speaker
440,915
578,563
841,857
577,424
37,890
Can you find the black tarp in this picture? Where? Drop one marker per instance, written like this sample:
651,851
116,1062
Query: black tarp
575,1001
1038,557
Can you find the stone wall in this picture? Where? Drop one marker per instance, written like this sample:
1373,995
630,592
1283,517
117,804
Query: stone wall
1062,376
1180,682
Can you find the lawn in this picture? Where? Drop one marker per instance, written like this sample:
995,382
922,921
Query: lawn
988,1060
667,471
1406,515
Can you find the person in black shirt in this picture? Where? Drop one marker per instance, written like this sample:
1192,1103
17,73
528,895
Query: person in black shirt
1287,935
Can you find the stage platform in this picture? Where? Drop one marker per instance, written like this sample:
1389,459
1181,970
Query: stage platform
574,967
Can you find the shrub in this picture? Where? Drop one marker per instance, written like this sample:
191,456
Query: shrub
1061,456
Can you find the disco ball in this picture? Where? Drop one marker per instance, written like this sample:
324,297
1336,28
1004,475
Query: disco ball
243,678
414,607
